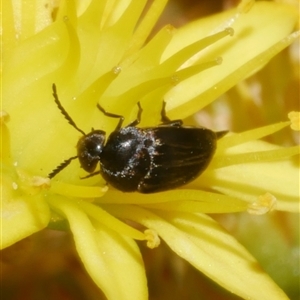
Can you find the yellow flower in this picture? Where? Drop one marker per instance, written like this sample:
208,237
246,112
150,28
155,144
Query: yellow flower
97,52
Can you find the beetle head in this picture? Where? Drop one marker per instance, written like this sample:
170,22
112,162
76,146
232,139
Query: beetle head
89,149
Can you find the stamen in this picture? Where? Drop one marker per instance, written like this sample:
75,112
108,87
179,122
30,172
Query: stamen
15,186
192,53
38,181
294,116
153,240
263,205
218,60
30,184
4,117
229,30
243,7
116,70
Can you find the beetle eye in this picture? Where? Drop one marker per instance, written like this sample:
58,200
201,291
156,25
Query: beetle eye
89,149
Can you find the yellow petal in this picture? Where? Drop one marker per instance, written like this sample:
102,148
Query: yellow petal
196,201
109,221
107,255
21,214
247,181
266,24
208,247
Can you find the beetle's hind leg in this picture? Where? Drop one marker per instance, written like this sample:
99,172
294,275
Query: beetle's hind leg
165,119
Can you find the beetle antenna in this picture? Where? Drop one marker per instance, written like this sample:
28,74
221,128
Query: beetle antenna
61,167
63,111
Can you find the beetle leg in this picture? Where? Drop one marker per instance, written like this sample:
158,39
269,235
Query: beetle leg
108,114
138,117
165,120
90,175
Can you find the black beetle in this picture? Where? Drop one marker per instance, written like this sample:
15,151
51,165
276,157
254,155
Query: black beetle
145,160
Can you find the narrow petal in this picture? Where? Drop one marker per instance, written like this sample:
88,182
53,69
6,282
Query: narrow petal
17,218
109,221
253,31
107,256
273,174
191,200
146,25
208,247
